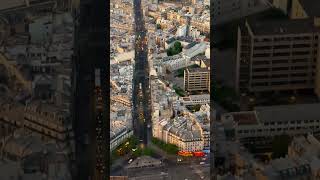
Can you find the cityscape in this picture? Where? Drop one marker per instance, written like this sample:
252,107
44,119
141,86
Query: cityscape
162,90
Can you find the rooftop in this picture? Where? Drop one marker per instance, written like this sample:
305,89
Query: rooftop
288,112
198,70
248,118
282,26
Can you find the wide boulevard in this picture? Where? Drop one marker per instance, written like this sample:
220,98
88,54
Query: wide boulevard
141,86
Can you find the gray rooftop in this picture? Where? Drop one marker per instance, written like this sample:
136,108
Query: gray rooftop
288,112
282,26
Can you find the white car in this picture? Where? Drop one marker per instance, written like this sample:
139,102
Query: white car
201,163
130,161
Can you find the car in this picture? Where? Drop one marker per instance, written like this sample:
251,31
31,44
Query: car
201,163
130,161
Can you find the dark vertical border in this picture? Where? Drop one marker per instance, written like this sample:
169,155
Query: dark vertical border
212,94
100,48
107,26
91,51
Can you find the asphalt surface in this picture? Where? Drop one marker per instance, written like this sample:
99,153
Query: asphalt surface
141,86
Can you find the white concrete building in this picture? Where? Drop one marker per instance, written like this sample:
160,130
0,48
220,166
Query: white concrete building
194,32
195,50
177,62
182,30
207,53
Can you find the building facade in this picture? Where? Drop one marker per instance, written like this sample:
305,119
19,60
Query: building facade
265,122
197,79
275,59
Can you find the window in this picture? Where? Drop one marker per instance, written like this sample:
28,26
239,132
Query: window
280,69
301,53
281,54
301,45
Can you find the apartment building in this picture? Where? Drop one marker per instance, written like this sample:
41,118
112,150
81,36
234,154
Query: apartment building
271,121
197,79
117,137
276,55
182,131
176,62
48,121
195,99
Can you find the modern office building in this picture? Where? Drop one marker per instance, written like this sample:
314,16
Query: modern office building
278,55
197,79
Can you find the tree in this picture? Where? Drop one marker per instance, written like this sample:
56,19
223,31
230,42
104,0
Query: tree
175,49
158,26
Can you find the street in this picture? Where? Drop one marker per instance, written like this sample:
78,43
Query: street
141,87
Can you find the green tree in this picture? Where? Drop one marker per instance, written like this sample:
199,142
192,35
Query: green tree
175,49
137,153
169,148
148,152
177,46
158,26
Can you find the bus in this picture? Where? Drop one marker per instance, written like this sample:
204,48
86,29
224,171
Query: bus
198,154
185,153
189,153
